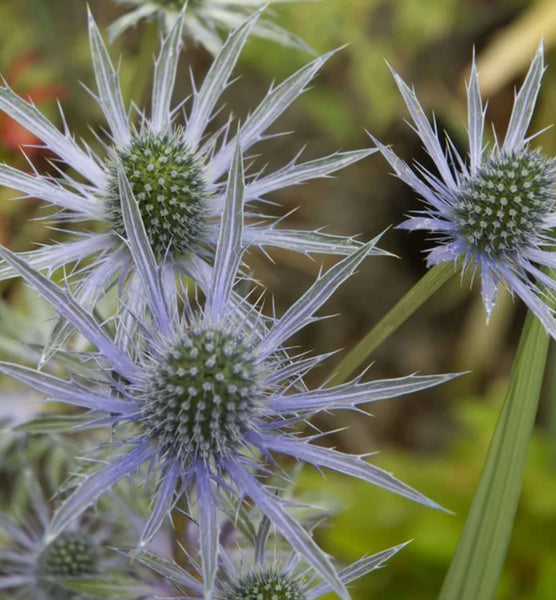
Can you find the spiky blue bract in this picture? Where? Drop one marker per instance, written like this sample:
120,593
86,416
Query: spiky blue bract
199,394
176,175
203,19
496,211
259,573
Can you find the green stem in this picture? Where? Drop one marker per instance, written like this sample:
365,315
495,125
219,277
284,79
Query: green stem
482,547
434,279
137,86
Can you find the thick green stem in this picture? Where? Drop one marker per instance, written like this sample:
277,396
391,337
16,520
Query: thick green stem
482,547
434,279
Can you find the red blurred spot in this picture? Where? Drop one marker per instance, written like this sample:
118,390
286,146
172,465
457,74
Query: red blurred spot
12,135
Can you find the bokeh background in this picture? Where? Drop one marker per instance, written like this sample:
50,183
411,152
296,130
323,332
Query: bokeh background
437,440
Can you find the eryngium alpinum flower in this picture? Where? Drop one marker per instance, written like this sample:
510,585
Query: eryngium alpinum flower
203,18
262,573
177,175
35,566
200,395
495,212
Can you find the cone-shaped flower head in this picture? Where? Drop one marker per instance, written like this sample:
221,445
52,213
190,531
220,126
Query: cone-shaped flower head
167,179
203,18
203,394
176,174
71,554
268,584
495,212
198,393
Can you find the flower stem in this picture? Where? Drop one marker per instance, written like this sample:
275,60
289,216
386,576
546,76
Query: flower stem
482,547
137,86
434,279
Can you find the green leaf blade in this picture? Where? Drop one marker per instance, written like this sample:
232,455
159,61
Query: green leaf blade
482,547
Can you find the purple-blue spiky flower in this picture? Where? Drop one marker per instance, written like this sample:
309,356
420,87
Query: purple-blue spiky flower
38,566
175,173
262,573
495,212
198,396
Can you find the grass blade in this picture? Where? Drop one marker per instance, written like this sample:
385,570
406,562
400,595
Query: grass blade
481,550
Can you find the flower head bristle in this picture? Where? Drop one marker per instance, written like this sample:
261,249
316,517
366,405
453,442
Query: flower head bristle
202,395
270,584
168,183
502,208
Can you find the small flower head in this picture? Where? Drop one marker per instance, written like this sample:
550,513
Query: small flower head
266,584
203,395
71,554
495,212
502,210
198,392
202,20
169,185
35,565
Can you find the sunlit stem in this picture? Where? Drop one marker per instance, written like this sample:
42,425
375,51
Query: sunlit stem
482,547
434,279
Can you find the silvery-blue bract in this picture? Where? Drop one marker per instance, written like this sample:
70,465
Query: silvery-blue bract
198,396
262,573
176,174
203,18
497,211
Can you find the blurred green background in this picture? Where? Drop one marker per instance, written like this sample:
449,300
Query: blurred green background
435,441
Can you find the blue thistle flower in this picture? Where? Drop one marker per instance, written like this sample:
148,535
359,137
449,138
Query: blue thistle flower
40,567
203,18
261,573
176,175
197,396
496,212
